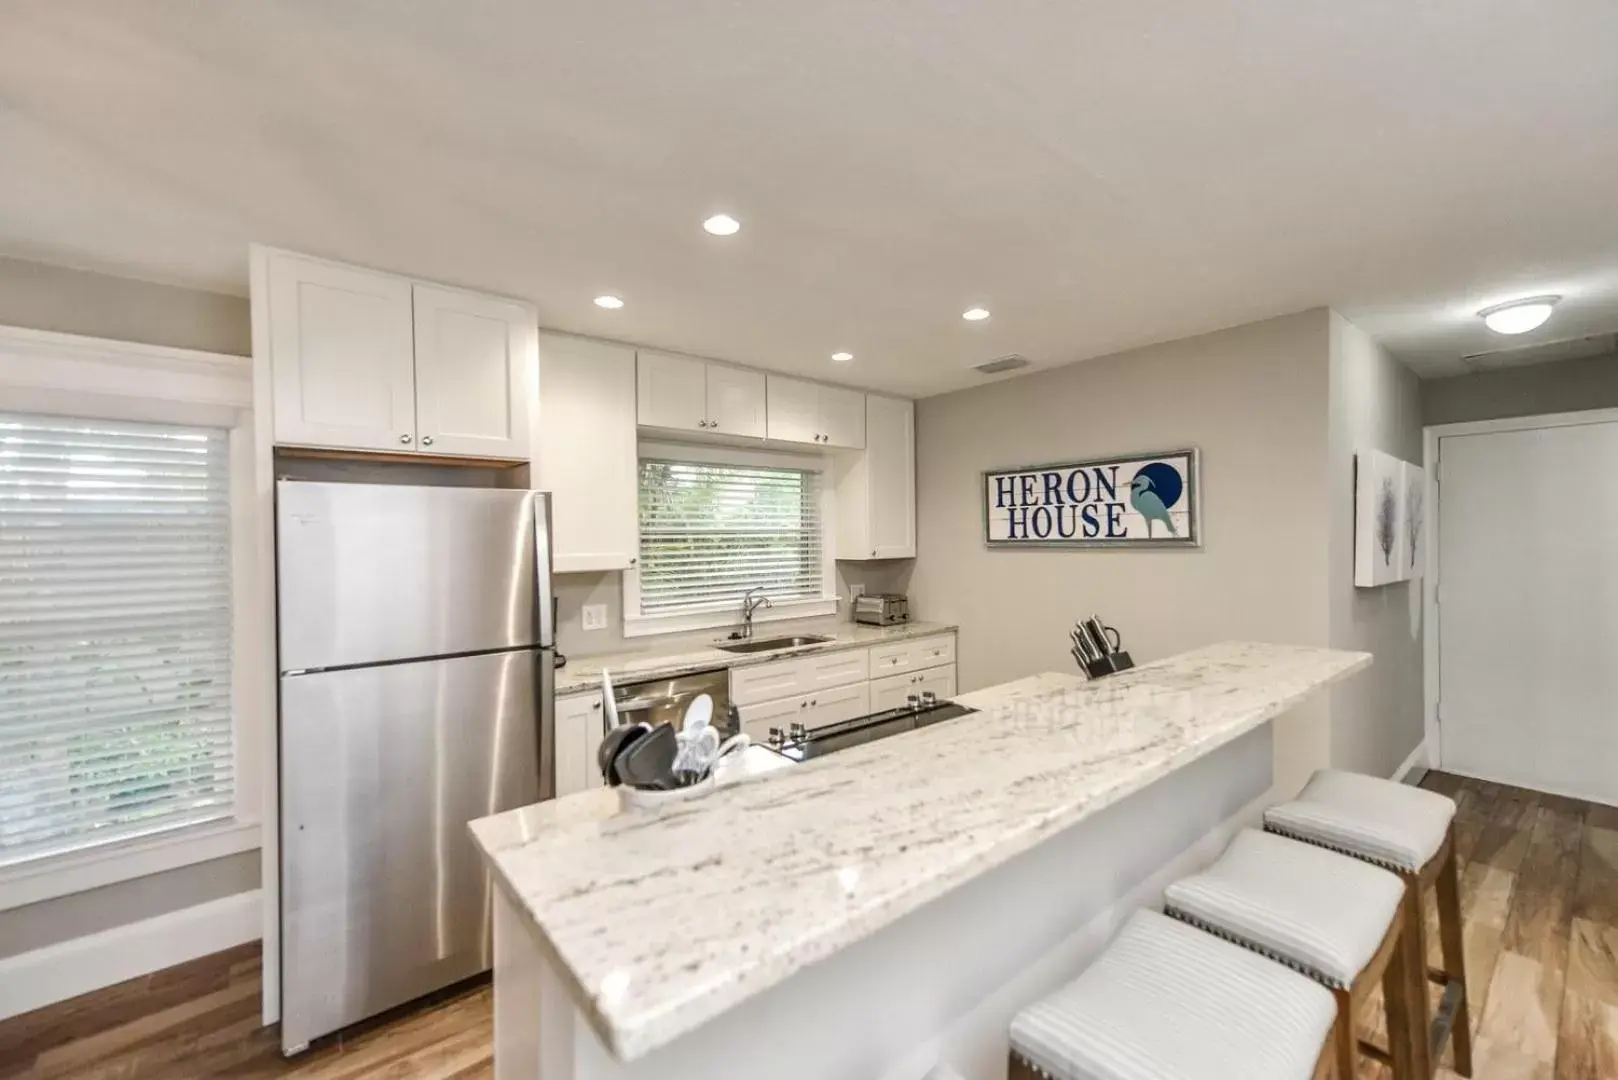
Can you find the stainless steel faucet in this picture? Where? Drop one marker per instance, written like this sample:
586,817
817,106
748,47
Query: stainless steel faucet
751,604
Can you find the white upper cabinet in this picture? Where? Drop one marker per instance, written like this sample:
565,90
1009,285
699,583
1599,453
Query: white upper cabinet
585,452
684,394
735,401
842,417
876,490
794,410
475,361
362,360
673,391
341,355
806,412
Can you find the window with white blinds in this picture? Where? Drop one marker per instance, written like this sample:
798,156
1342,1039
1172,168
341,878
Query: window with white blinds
708,533
115,632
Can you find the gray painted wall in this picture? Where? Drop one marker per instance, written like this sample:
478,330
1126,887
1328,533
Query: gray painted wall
1253,399
1566,386
44,297
1376,716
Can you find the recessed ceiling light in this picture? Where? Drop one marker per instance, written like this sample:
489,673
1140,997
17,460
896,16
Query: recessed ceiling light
1519,316
722,225
842,357
975,314
610,302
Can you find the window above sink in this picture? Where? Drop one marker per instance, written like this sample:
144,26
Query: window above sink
716,522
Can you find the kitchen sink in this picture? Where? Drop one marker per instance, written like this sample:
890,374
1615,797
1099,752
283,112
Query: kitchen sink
769,644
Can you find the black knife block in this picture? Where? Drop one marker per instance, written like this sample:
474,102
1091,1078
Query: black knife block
1110,664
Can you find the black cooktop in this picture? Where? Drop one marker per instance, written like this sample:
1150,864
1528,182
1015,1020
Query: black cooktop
834,737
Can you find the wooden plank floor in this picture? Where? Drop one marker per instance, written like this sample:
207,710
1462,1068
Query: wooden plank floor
1539,902
201,1020
1539,894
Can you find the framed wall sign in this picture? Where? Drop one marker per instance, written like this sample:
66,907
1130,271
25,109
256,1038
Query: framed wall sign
1143,500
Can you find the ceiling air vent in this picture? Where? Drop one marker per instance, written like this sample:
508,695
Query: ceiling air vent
1002,363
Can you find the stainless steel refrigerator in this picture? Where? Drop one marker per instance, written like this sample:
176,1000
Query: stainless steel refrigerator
416,694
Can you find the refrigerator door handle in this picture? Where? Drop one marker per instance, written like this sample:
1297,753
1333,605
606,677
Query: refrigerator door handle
544,620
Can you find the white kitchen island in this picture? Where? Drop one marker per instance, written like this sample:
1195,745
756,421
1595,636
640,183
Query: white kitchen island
879,913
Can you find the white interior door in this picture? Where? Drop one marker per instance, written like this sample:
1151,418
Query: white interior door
1528,602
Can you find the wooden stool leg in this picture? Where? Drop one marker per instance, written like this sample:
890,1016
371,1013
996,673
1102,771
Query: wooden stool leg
1448,888
1415,965
1396,983
1346,1044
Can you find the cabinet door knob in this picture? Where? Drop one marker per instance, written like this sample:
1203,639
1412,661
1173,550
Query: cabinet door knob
713,423
702,423
596,705
632,562
404,439
428,441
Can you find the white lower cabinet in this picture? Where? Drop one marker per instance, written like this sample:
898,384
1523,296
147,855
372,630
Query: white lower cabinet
757,720
813,710
578,733
828,688
836,705
896,690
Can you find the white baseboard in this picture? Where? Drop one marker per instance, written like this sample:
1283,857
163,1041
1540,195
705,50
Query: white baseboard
32,980
1417,759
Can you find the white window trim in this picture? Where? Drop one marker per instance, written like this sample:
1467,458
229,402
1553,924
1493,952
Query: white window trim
69,375
638,625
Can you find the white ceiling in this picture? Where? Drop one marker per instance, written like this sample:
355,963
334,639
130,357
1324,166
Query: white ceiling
1099,175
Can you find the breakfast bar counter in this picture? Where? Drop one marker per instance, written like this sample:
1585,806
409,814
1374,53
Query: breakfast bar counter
878,912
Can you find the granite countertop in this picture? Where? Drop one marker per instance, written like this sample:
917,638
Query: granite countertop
679,658
791,868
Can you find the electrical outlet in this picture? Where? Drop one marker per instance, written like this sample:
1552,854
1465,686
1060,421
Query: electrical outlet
856,589
594,616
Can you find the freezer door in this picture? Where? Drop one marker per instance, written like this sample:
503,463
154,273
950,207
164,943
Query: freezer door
383,894
369,573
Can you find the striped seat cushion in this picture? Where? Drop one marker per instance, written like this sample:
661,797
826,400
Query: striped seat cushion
1323,913
1383,821
1168,1002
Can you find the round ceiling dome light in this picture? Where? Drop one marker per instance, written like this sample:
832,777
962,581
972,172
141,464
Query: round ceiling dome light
975,314
611,303
842,357
1519,316
722,225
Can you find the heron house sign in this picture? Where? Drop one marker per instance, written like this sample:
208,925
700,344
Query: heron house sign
1144,500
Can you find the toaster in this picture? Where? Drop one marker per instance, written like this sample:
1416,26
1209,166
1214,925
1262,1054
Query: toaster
881,609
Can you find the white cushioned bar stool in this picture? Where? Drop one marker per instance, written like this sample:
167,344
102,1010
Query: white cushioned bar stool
1411,832
1335,919
1167,1002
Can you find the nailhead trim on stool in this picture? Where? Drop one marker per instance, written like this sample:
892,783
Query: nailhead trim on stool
1321,914
1167,1002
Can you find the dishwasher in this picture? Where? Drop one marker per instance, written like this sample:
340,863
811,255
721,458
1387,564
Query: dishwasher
664,701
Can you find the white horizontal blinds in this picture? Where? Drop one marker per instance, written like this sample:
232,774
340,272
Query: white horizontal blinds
708,533
115,632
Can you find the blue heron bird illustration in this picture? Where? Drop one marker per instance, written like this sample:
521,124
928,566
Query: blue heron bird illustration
1155,488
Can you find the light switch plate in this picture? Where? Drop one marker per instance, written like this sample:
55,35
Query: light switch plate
594,616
